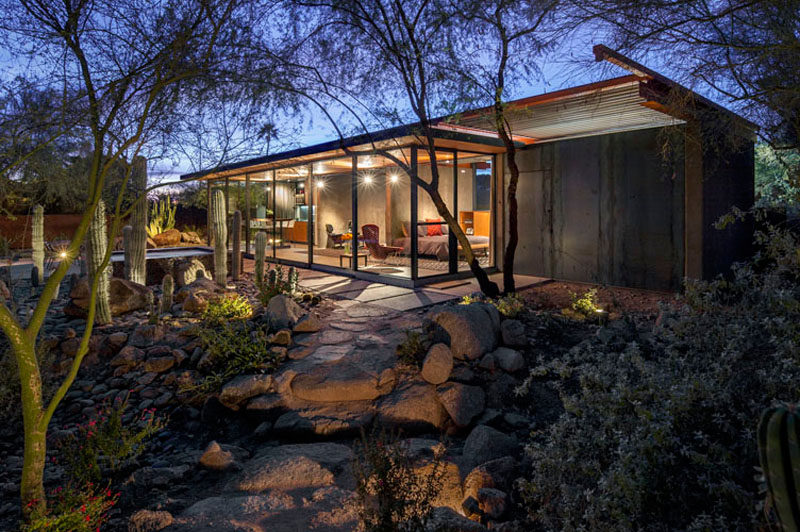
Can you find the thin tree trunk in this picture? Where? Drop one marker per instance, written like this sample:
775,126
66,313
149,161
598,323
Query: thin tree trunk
35,447
513,225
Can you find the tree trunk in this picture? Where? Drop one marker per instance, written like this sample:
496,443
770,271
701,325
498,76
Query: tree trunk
513,226
488,287
35,450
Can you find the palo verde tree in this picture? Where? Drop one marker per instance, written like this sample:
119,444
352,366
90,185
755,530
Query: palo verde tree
126,70
392,52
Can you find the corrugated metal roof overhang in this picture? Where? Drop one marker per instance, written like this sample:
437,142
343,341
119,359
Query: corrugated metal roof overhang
383,140
609,109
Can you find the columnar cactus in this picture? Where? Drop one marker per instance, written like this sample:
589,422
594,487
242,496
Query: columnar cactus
37,241
779,452
261,250
292,279
236,255
136,246
167,286
220,230
127,236
96,242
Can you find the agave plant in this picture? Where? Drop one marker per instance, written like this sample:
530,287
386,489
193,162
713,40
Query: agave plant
162,217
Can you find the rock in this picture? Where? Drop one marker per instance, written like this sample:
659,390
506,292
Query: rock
191,237
334,336
5,293
492,502
341,382
149,521
69,347
444,518
472,509
263,429
149,477
266,403
290,467
513,333
146,335
170,237
124,296
205,289
129,356
236,513
244,387
508,359
469,328
195,303
413,406
329,419
159,364
150,243
462,401
438,364
187,271
283,312
282,337
485,443
488,362
310,323
498,473
216,458
117,340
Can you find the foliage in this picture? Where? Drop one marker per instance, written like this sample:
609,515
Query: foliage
583,306
162,217
230,307
74,510
392,494
510,305
668,421
106,442
413,349
276,282
776,176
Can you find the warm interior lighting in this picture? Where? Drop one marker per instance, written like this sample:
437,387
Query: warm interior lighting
320,184
63,254
367,179
302,185
393,178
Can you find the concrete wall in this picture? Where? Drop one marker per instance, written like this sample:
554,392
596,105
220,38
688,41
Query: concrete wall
602,209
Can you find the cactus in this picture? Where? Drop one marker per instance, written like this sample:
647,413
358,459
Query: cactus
127,236
96,249
292,279
779,453
136,249
236,255
152,311
167,287
37,240
220,231
261,250
162,217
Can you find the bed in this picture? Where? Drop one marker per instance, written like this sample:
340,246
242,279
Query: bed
439,246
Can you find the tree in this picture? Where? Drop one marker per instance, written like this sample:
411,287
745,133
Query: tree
392,51
126,72
499,43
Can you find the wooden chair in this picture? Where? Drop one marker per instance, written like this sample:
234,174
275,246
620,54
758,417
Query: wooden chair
335,240
371,238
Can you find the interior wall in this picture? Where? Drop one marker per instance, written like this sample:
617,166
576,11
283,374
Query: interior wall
334,206
372,202
604,209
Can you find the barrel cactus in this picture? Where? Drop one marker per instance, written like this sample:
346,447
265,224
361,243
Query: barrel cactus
37,241
779,453
220,231
167,287
136,246
236,237
261,250
96,249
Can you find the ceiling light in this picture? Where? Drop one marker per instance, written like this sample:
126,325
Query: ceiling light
367,179
320,184
393,178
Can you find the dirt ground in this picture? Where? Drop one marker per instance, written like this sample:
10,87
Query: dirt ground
556,295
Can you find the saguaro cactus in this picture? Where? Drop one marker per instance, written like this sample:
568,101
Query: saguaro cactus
261,250
167,286
37,241
779,452
136,249
96,242
236,256
220,229
127,236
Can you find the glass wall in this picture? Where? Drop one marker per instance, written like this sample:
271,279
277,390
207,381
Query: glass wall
475,200
332,213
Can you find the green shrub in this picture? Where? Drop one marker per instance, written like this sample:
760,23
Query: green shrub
510,305
391,493
413,349
277,282
232,307
106,443
668,422
586,304
74,510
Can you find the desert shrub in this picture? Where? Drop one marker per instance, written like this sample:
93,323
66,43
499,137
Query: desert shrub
105,443
413,349
233,348
510,305
667,421
232,307
74,510
391,494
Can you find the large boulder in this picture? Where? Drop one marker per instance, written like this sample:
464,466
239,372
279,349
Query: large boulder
341,382
509,360
170,237
284,312
149,521
413,406
485,443
470,329
124,296
202,286
217,458
462,401
244,387
438,364
191,237
499,473
189,270
513,333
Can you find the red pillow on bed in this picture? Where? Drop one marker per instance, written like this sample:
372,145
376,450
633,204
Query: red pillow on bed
434,230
